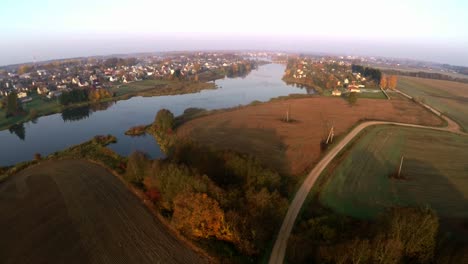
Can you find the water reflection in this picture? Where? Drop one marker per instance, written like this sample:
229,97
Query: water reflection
84,112
308,89
18,130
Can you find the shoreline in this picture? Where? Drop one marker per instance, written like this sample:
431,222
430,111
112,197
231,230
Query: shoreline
145,93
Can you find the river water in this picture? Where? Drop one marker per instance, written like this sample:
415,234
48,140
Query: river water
59,131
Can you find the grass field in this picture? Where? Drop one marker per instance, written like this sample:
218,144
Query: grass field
293,148
74,211
448,97
435,172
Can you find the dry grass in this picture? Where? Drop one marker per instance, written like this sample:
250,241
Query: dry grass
448,97
294,148
73,211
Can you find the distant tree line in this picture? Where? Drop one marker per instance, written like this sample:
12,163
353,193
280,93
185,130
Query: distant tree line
118,62
84,95
427,75
372,73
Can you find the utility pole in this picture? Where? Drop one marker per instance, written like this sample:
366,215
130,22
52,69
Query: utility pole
401,165
330,135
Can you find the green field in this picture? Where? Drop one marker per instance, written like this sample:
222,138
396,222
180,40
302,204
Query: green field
435,171
451,98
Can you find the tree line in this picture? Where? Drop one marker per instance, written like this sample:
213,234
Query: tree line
84,95
374,74
399,235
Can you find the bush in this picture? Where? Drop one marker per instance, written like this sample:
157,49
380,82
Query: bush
137,164
352,98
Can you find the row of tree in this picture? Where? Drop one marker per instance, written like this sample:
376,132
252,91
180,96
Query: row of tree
84,95
389,82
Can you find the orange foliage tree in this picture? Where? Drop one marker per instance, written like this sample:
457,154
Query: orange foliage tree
392,82
383,82
199,216
99,94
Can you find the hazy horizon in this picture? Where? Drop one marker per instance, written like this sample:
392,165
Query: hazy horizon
420,30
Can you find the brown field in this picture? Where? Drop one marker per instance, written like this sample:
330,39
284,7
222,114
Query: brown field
73,211
295,147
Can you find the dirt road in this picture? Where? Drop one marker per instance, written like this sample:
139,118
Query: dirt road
279,248
73,211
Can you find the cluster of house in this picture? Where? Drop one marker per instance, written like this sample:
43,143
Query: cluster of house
336,69
51,80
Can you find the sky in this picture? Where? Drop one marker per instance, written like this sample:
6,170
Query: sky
417,29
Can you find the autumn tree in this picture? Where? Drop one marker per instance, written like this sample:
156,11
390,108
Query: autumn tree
383,82
24,69
99,94
164,121
416,229
200,216
392,82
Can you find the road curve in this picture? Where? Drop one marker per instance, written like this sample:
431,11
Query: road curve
279,248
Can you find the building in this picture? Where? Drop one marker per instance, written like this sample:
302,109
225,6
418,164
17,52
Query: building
336,92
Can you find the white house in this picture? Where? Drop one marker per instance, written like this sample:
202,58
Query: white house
42,90
22,95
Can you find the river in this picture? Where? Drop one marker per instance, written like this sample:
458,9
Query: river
56,132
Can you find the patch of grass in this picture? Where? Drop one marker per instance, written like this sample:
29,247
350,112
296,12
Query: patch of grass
41,105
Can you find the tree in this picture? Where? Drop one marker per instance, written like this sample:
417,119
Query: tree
352,98
200,216
416,229
19,130
383,82
12,104
164,121
392,82
33,114
24,69
137,165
